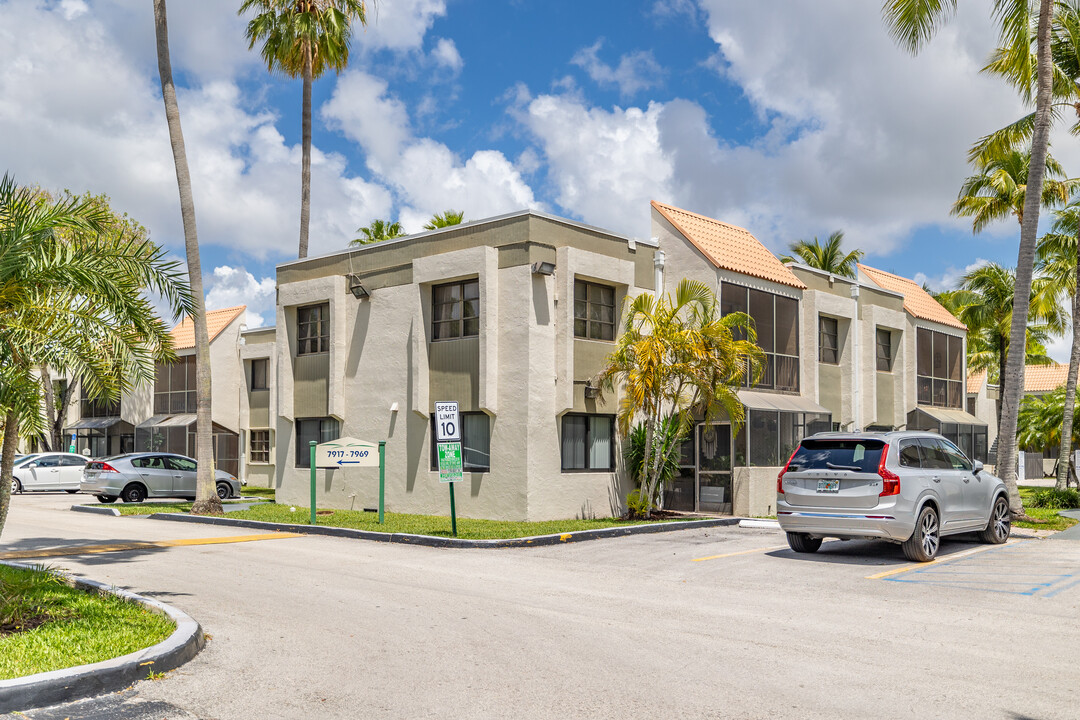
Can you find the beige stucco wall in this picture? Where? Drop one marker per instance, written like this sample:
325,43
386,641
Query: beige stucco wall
257,344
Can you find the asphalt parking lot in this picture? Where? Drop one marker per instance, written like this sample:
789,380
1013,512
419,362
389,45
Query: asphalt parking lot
717,623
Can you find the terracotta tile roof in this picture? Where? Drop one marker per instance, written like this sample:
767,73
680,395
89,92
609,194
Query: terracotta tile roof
729,247
917,301
975,381
216,321
1044,378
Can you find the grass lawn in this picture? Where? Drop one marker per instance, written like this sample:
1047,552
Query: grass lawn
148,508
263,493
1051,519
73,627
400,523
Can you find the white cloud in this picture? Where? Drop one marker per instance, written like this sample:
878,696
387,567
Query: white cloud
446,54
427,176
635,72
399,25
233,286
949,279
80,113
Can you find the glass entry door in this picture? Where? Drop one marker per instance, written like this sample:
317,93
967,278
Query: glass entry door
714,467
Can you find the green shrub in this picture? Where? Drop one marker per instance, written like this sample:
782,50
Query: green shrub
637,506
1054,499
667,441
25,597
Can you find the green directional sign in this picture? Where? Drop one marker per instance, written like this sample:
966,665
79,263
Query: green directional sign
450,462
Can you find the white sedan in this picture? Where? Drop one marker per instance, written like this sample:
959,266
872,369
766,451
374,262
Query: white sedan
48,471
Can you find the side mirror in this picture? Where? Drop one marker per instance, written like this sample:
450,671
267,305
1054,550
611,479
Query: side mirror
31,466
977,467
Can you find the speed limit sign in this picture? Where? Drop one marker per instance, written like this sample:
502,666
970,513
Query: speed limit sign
447,422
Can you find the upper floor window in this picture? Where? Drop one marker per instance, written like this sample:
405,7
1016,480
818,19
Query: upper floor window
828,340
258,373
884,350
594,311
455,310
313,329
939,369
776,319
175,387
93,408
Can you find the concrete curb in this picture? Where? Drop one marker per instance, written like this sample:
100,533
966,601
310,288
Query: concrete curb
96,510
50,688
760,524
441,542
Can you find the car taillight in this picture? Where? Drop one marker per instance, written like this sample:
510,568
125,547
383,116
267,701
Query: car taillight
780,477
890,481
106,467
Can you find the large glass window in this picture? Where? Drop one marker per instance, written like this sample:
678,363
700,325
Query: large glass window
92,408
260,446
318,429
884,350
768,437
475,442
588,442
594,311
455,310
939,369
776,321
175,387
313,329
828,340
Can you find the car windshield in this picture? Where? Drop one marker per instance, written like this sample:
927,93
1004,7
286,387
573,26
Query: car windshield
853,455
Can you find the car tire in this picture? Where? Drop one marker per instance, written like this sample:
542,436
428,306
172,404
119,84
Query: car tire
16,486
1000,524
133,493
924,542
224,492
803,543
106,498
71,492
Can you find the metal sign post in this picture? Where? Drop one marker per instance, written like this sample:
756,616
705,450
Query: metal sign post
350,452
448,437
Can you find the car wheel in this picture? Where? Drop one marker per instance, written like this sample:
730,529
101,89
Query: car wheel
223,491
133,494
15,486
106,498
803,543
1000,525
923,544
72,492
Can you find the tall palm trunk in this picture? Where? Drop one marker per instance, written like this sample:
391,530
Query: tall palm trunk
7,461
206,499
1003,353
1012,385
305,171
52,442
1070,387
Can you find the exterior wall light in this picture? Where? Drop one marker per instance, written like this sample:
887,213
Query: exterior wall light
356,288
543,268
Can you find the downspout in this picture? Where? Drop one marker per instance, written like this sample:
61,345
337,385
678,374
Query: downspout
856,417
658,269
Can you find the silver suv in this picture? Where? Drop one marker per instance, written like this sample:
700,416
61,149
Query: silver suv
910,488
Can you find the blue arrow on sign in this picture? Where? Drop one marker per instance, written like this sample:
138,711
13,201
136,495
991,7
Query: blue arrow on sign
348,462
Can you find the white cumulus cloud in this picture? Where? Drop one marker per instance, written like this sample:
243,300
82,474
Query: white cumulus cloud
233,286
635,72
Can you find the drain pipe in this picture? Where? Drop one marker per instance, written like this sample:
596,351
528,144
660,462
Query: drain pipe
856,417
658,268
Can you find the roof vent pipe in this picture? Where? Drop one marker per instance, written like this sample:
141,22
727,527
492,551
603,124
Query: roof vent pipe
856,370
658,266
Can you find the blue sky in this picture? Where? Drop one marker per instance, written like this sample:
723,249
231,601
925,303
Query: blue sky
789,118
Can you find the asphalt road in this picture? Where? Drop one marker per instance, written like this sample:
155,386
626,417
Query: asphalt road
723,623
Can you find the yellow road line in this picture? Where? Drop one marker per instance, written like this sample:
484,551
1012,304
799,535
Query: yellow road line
938,561
740,552
149,545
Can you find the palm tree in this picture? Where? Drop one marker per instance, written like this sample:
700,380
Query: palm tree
999,190
445,219
677,356
1040,425
378,231
986,307
73,298
912,23
304,38
828,257
206,499
1059,259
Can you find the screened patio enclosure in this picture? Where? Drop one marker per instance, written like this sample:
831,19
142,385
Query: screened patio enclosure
176,434
772,428
965,431
100,436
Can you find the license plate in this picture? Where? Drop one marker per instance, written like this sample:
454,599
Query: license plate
828,486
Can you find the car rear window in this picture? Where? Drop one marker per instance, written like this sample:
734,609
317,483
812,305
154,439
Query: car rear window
853,455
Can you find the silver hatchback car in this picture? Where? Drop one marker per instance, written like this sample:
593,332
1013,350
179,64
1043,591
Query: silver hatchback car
911,488
137,476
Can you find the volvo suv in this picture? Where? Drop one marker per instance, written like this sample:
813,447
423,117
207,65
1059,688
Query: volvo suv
910,488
